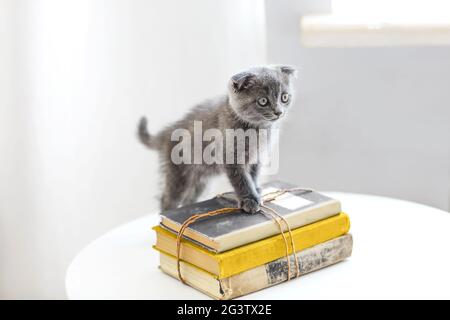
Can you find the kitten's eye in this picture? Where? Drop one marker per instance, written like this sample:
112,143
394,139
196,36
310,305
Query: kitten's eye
262,101
285,97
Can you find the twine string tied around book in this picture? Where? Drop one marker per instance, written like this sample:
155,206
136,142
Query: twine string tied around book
273,214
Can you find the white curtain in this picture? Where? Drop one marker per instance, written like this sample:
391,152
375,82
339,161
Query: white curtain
75,77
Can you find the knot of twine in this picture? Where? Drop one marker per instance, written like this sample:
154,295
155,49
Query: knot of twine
273,214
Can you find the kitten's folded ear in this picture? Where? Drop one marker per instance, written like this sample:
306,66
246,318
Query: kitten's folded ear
288,70
242,81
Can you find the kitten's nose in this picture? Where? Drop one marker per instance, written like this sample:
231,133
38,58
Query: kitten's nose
278,113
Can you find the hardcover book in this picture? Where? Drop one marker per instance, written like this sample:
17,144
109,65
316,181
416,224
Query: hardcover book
227,231
248,256
272,273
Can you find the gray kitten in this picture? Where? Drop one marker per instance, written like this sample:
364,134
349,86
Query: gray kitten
257,98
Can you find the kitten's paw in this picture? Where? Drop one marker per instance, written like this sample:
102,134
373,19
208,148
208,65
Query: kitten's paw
250,205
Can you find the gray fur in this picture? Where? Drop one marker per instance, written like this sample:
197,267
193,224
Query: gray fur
238,109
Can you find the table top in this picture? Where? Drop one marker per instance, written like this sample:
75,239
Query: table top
401,251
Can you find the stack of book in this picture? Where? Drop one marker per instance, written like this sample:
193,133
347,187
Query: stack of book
234,254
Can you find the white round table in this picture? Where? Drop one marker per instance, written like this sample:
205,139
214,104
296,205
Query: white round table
401,251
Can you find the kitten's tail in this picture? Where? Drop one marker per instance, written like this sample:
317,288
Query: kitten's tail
144,136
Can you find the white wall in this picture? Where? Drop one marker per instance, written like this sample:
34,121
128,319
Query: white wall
79,74
370,120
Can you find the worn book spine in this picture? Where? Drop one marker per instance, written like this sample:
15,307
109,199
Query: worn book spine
272,273
309,260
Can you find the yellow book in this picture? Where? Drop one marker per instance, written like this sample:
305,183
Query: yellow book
237,260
